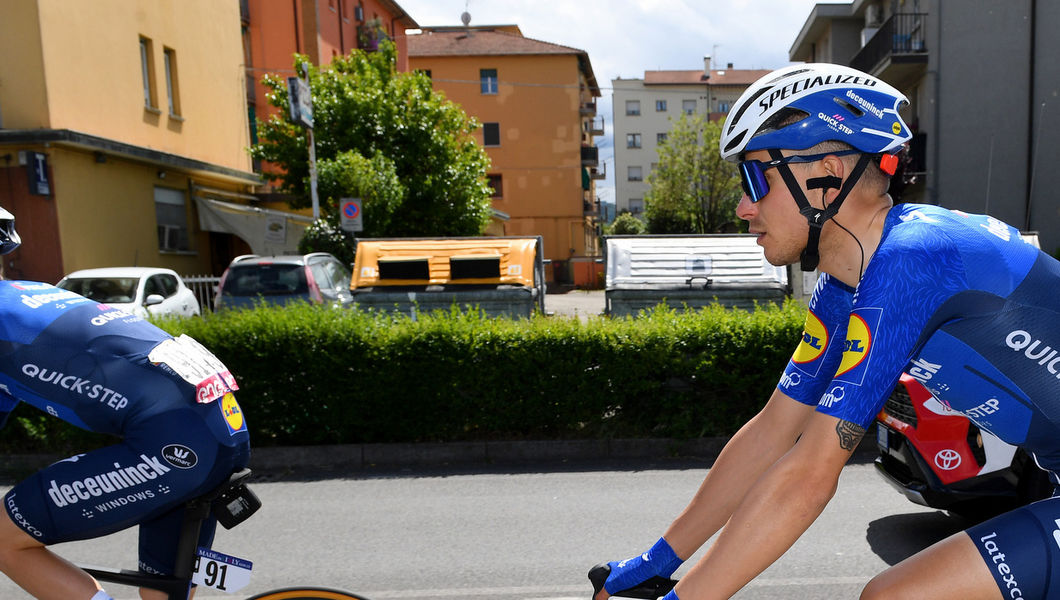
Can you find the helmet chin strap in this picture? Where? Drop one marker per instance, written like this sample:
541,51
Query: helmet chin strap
816,217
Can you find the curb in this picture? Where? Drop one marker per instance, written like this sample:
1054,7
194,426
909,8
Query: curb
366,456
340,458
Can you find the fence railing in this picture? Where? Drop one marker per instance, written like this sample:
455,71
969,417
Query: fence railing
902,34
204,288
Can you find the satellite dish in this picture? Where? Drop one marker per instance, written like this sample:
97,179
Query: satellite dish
465,18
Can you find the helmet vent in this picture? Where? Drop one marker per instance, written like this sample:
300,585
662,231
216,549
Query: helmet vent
734,142
854,110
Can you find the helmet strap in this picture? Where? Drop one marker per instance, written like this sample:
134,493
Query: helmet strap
816,217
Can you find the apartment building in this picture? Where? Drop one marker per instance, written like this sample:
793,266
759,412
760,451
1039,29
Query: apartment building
274,31
982,81
117,118
536,102
644,111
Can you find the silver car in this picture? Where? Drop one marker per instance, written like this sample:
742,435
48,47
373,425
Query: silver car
317,278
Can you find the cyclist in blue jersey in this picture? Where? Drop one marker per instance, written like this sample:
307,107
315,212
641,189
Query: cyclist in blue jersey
959,301
169,400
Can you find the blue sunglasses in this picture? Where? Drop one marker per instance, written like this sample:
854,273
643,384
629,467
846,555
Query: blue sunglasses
753,172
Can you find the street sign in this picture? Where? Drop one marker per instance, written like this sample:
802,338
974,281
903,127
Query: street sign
301,102
350,213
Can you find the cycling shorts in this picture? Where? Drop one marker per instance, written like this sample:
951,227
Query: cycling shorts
161,463
1022,549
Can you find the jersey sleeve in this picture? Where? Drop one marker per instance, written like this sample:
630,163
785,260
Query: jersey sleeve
818,354
902,288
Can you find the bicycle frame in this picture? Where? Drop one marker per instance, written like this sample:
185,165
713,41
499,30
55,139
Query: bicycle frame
178,585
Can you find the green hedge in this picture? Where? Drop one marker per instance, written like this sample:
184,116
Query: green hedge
311,375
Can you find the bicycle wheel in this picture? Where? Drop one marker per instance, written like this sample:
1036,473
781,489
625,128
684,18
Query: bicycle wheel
307,593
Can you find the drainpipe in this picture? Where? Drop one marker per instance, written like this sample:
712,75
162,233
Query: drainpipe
1031,154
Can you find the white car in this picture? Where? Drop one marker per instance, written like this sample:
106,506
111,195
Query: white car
142,291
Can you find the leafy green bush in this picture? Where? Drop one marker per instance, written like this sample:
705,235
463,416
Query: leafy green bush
312,375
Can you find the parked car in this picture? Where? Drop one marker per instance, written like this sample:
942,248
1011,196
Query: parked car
316,278
143,291
940,459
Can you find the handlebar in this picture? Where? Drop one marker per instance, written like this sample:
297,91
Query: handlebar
653,588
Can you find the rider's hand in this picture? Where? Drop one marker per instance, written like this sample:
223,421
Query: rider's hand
659,560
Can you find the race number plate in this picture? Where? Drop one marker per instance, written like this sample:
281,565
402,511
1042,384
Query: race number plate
220,571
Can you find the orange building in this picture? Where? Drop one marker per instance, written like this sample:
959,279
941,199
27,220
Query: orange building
536,102
275,30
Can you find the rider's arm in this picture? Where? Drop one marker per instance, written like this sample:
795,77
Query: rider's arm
777,509
756,446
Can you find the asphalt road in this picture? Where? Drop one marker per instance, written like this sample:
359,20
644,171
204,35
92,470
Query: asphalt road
524,533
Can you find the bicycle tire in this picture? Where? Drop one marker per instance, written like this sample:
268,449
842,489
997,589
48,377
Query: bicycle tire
307,593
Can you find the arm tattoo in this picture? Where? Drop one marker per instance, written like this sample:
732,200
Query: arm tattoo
849,434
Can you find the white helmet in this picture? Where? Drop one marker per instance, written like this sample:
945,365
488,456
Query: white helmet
9,239
840,104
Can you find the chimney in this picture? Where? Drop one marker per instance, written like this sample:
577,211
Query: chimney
706,65
730,66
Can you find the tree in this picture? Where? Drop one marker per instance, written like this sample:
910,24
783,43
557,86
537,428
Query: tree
693,190
626,224
384,137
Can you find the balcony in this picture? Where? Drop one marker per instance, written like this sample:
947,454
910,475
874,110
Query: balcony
897,51
370,34
598,172
590,156
588,109
590,209
595,126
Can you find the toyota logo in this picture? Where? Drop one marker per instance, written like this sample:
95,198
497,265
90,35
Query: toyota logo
948,460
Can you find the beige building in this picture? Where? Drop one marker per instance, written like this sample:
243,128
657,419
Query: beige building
645,110
123,137
536,102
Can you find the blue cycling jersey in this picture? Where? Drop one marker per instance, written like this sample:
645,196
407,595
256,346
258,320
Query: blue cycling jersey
170,400
970,310
964,305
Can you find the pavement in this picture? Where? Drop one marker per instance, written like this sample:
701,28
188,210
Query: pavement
566,302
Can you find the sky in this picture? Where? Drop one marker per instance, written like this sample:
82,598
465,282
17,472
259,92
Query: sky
624,38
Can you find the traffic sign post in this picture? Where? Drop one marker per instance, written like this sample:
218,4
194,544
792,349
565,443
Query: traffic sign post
350,214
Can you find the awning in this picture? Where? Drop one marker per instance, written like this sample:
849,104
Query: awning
267,231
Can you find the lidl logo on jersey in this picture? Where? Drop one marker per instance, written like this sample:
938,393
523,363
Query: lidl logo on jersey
814,341
233,414
858,345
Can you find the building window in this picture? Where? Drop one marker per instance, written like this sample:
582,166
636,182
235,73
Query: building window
491,134
172,219
496,184
660,106
147,70
632,140
688,106
660,138
636,205
654,166
488,80
635,173
169,57
723,107
632,108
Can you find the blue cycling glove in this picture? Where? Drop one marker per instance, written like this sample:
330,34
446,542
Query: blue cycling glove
660,560
671,596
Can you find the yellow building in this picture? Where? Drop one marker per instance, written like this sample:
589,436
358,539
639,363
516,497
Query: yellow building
124,135
536,103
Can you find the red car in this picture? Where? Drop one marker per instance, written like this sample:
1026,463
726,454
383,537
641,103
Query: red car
938,458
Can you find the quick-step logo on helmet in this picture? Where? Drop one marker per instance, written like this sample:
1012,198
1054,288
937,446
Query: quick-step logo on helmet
804,85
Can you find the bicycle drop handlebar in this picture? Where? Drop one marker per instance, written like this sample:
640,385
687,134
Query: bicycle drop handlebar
653,588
